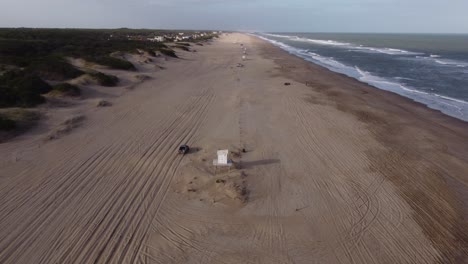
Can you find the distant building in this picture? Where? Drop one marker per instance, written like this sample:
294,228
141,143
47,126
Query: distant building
159,38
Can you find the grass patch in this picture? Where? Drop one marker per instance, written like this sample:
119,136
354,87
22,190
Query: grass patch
65,89
182,47
18,119
105,79
103,103
22,46
26,46
66,127
6,124
142,77
22,89
54,68
114,63
151,53
42,53
169,52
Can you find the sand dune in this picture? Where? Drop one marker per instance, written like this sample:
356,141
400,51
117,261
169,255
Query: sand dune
334,172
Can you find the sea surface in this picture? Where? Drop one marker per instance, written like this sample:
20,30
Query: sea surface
429,68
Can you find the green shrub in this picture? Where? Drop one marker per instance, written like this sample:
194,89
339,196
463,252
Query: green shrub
20,115
151,53
66,89
104,79
169,52
182,47
8,96
54,68
41,50
113,63
6,124
17,120
31,82
28,98
18,88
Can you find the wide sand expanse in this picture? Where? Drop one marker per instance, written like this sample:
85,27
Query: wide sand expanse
334,171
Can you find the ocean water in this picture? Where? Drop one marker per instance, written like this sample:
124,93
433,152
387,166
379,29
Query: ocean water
430,69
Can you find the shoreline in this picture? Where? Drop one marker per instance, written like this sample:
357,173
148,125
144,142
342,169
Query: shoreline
373,96
394,112
436,103
438,115
396,103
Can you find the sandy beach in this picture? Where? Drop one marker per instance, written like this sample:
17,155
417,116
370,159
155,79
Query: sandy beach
334,171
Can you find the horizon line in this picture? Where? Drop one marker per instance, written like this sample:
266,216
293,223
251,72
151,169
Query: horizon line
241,30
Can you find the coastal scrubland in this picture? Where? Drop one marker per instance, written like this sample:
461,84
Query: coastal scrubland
35,63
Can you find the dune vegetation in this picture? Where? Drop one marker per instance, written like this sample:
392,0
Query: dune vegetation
35,62
15,119
104,79
30,57
19,88
65,89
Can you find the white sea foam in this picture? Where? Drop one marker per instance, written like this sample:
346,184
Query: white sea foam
388,51
442,61
448,105
367,77
452,99
349,46
279,36
328,61
321,42
455,63
404,78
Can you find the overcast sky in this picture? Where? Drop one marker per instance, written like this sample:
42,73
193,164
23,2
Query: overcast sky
434,16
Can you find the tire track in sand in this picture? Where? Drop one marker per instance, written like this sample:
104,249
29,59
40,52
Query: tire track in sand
121,188
168,144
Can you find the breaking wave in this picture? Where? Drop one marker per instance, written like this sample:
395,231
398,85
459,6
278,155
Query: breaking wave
448,105
349,46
